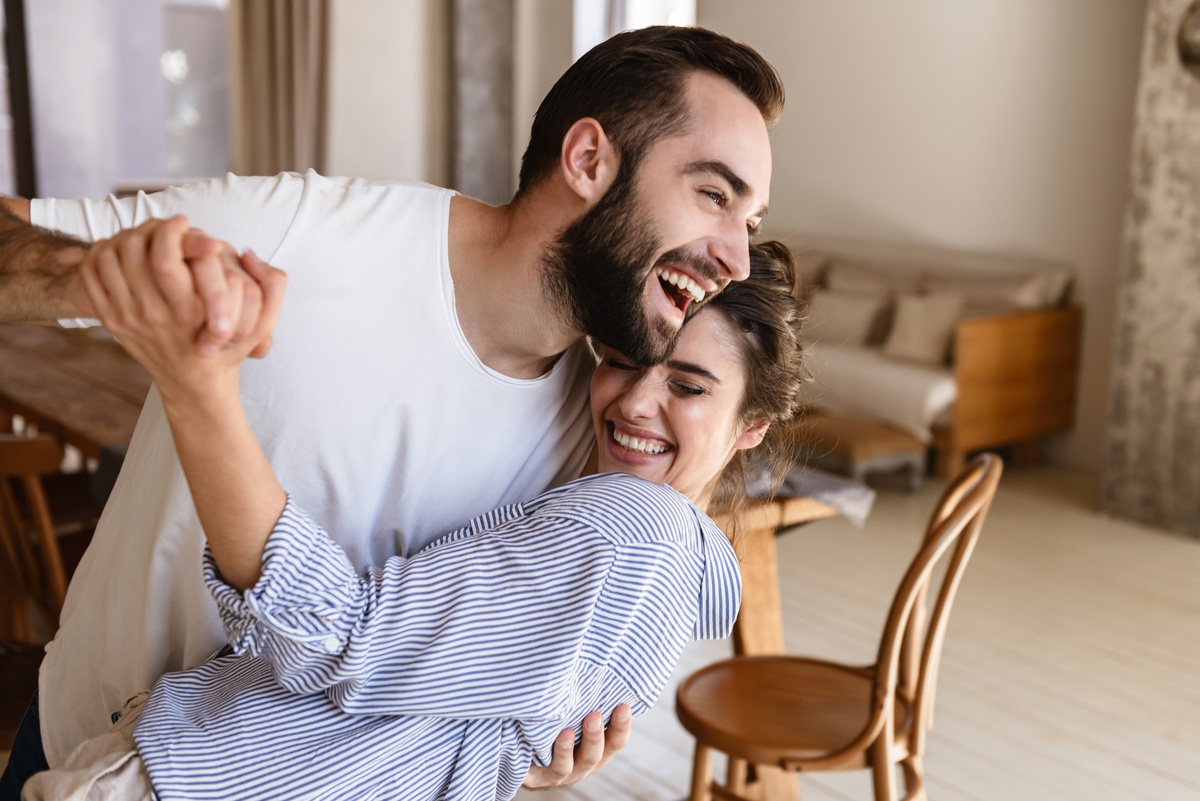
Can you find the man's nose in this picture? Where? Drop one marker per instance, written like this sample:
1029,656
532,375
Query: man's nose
731,251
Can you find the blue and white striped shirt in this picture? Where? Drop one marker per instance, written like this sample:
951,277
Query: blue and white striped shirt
447,674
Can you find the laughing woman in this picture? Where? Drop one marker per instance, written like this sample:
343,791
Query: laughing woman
446,674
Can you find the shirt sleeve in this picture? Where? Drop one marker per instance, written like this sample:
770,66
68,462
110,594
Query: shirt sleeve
490,625
245,212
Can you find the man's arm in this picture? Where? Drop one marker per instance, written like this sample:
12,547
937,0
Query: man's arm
40,279
39,269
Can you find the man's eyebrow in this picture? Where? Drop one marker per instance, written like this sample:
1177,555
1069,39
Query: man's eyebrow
694,369
739,187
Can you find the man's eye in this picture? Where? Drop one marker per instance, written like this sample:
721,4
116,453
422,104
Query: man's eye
715,196
619,365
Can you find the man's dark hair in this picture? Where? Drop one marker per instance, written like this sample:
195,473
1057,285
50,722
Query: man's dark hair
634,85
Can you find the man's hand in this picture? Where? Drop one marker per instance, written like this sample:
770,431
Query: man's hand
227,294
597,748
145,293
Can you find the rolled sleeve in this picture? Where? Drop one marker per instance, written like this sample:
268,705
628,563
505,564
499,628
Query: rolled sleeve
308,595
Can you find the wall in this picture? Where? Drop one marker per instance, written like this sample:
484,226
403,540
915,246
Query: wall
388,89
991,124
1153,467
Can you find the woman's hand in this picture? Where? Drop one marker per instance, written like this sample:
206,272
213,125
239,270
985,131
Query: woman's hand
152,299
597,748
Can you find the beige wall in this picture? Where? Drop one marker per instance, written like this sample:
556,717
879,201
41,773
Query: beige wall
388,89
541,53
990,124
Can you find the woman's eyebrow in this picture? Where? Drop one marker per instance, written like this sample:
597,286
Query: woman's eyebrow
694,369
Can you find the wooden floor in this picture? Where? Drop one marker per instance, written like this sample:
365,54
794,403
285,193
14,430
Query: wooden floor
1072,664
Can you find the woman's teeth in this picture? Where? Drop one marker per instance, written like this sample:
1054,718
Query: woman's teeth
635,444
682,282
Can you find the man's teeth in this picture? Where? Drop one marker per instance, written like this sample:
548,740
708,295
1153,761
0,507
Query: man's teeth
635,444
682,282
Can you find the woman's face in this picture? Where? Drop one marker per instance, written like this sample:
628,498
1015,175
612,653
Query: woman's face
677,423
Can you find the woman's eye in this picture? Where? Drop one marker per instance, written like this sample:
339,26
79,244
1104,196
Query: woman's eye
688,390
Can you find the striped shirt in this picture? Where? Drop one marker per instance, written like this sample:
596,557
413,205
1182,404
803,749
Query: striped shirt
443,675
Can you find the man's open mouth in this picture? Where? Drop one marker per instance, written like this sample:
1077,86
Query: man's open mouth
679,287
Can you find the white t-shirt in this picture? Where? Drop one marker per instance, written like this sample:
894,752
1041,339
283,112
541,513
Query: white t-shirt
371,406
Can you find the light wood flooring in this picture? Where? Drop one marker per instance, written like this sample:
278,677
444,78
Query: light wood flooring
1072,663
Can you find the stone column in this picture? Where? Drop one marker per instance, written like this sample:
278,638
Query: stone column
1152,469
482,66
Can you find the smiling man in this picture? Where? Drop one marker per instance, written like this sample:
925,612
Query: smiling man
429,342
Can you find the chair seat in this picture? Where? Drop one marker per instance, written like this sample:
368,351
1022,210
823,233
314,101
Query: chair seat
780,710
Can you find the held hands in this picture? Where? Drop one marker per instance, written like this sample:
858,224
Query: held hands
597,748
181,302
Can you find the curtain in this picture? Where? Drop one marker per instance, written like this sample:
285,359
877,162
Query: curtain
280,57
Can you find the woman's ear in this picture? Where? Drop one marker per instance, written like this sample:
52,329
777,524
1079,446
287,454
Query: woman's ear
752,436
589,161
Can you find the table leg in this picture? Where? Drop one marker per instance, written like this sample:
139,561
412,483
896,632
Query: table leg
759,627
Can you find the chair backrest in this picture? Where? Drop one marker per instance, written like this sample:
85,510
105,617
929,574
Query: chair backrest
911,647
27,459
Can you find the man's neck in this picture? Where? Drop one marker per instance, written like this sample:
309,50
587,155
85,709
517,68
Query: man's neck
496,263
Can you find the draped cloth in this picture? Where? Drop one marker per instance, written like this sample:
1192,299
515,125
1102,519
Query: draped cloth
280,60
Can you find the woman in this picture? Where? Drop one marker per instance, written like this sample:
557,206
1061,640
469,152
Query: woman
446,674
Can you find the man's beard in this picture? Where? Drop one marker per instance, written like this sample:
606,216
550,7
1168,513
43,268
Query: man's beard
597,270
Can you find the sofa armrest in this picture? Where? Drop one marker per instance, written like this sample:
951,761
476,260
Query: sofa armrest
1016,376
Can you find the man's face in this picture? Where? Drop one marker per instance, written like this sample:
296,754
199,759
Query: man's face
660,242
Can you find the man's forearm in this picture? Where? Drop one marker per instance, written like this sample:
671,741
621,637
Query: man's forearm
39,271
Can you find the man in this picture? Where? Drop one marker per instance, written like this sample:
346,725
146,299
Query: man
430,342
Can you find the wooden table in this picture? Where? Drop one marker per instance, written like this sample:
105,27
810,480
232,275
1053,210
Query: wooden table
78,385
759,627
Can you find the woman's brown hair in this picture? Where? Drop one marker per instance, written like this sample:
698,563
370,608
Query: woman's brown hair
764,310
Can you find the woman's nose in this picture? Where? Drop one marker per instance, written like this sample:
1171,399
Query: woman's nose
640,401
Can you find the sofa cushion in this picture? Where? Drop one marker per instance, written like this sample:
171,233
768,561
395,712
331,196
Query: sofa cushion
998,294
922,326
839,317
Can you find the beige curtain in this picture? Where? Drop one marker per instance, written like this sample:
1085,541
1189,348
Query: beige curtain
280,58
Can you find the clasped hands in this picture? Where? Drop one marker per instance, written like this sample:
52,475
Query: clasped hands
190,309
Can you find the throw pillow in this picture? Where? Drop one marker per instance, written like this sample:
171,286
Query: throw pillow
838,317
923,325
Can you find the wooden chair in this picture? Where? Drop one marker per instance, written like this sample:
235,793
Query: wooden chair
802,714
37,578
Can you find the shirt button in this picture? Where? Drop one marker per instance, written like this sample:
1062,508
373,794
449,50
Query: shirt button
332,644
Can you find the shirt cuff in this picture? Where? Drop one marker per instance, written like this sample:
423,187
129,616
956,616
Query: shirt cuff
307,593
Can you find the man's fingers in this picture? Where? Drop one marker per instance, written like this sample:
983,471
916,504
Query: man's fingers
112,279
170,273
617,736
95,290
591,747
273,283
211,285
197,244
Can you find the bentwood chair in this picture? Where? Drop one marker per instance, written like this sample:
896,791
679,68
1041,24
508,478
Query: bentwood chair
803,714
34,576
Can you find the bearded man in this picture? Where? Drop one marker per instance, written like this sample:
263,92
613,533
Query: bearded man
430,343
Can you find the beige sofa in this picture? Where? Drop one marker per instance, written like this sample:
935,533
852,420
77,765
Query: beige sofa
962,350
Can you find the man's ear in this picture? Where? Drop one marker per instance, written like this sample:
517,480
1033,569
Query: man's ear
589,161
752,436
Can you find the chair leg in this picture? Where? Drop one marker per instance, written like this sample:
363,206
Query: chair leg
914,778
701,773
883,768
736,775
52,565
778,784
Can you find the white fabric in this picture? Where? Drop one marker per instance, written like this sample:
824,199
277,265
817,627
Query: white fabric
104,768
371,406
862,381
